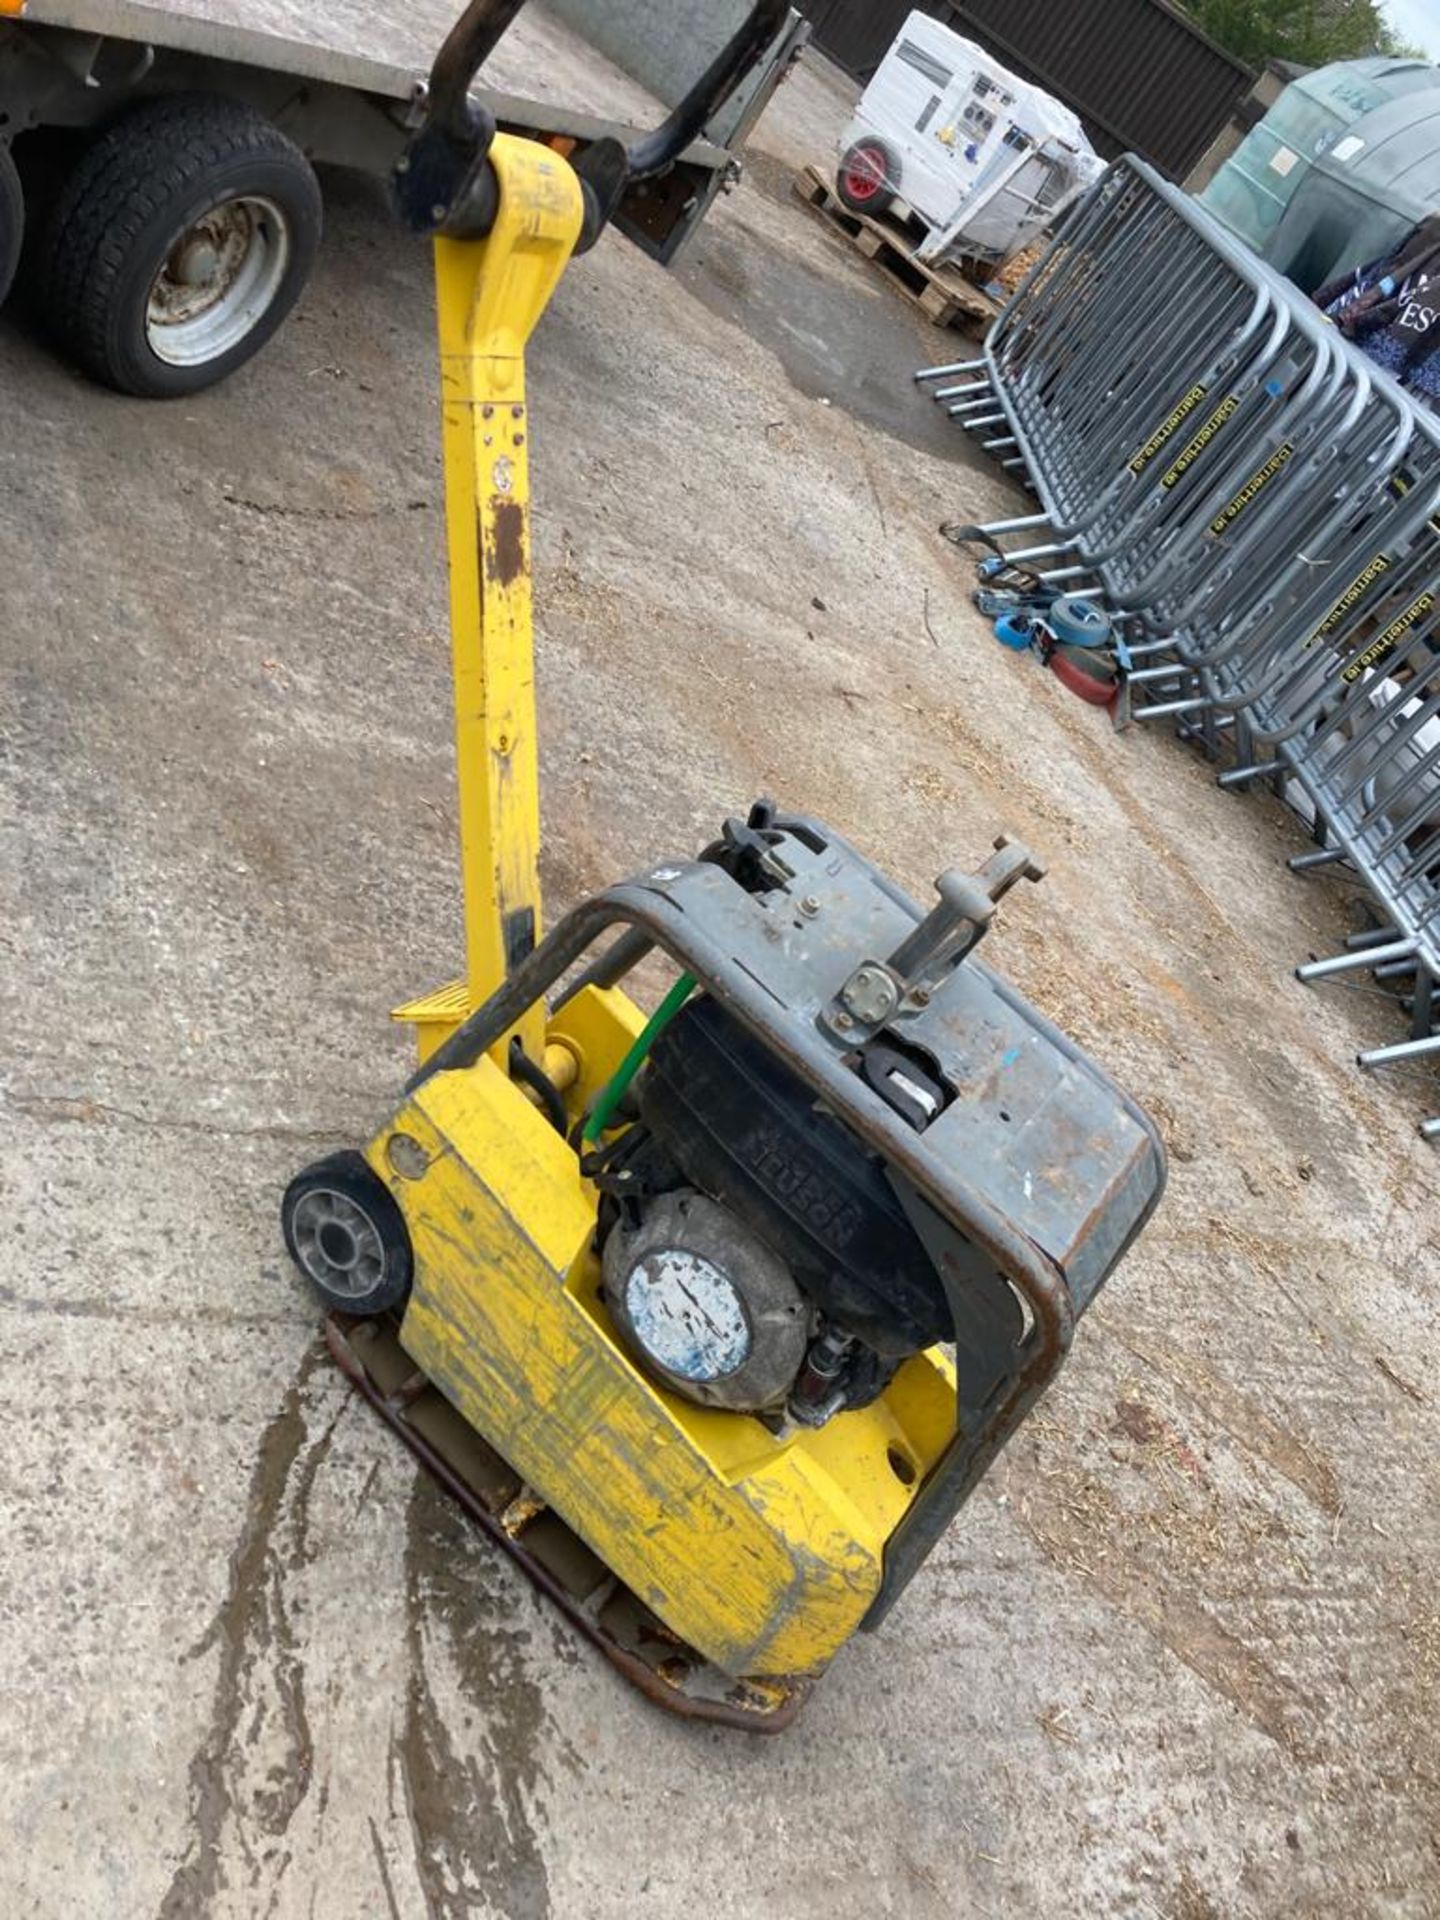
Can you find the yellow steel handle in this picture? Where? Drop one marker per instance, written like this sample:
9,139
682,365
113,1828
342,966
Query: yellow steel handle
490,295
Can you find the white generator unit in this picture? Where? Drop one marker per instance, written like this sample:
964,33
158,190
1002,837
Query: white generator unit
983,159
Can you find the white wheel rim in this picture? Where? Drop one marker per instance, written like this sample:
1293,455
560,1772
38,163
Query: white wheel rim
217,282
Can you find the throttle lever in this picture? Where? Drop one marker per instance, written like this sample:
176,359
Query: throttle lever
878,990
963,912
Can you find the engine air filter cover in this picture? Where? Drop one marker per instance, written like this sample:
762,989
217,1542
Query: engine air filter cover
704,1305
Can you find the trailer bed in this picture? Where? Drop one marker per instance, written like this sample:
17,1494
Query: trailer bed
345,82
381,50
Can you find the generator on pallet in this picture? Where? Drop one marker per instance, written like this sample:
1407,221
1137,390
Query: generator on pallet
981,158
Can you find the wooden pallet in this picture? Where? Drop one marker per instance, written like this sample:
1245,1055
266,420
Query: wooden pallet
942,293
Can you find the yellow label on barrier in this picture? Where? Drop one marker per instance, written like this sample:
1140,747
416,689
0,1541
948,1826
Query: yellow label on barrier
1351,597
1167,431
1389,639
1228,406
1252,489
1400,485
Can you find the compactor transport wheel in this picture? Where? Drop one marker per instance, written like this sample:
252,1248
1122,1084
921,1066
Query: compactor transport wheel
347,1236
868,172
12,221
178,244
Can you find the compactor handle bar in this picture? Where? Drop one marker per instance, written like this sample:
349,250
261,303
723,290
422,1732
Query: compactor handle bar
444,184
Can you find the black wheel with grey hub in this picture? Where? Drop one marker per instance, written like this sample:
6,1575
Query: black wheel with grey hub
12,220
179,243
347,1236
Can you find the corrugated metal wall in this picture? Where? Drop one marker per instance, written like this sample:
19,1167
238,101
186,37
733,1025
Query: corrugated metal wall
1141,76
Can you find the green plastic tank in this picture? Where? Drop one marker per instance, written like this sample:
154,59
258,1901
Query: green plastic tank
1361,198
1252,192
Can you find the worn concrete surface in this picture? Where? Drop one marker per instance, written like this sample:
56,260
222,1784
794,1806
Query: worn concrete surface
1182,1655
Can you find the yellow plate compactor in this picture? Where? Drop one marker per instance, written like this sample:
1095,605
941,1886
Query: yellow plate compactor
714,1318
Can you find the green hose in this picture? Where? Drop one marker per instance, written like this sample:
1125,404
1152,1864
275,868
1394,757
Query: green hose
615,1089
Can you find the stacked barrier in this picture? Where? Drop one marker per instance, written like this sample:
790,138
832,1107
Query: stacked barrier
1257,506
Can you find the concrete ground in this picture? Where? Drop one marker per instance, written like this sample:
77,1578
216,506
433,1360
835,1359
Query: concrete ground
1181,1655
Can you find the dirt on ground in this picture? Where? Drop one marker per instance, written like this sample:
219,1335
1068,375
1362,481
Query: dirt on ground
1180,1657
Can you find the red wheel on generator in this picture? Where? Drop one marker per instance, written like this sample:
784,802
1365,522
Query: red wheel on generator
868,176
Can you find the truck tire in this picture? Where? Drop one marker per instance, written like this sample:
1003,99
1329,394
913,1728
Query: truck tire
178,245
12,221
869,176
